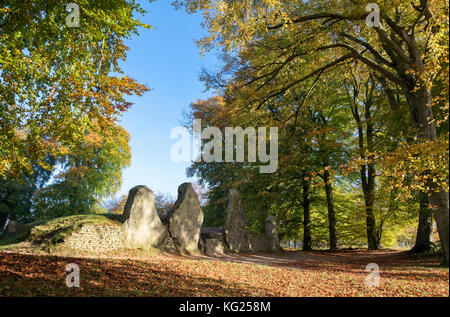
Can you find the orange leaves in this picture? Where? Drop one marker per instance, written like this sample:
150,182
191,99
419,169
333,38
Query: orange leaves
417,166
296,274
60,80
214,111
109,96
94,139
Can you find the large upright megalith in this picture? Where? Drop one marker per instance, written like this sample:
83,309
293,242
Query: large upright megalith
234,228
272,233
142,226
185,220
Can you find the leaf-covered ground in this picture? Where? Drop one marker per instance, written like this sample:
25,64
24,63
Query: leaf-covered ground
293,273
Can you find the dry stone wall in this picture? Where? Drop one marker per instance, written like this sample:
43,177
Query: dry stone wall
12,228
95,238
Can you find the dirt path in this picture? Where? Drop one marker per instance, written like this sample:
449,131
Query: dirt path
300,259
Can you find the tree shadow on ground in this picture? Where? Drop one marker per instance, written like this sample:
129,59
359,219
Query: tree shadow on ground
393,264
31,275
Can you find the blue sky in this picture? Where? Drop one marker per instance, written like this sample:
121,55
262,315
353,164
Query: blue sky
166,59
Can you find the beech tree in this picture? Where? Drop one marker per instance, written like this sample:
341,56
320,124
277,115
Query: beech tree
56,78
408,49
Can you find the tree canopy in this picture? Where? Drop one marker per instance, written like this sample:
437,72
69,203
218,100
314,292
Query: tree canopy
56,80
352,98
61,94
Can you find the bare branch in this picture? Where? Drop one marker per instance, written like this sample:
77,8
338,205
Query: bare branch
369,47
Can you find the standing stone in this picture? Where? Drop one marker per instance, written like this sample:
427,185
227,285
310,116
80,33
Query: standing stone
185,220
141,224
258,242
272,233
211,233
213,247
211,240
234,228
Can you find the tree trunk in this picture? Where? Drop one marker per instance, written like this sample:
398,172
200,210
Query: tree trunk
4,211
372,240
440,201
331,211
3,219
419,103
307,241
423,242
367,171
369,193
419,100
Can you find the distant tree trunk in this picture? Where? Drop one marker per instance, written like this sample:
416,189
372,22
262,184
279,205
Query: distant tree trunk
4,208
369,193
423,242
331,211
3,219
367,171
328,188
307,241
419,102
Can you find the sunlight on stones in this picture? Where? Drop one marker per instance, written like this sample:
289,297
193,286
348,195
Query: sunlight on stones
141,227
185,220
141,224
